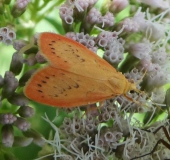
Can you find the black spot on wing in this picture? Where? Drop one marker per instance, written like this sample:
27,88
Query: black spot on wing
43,81
82,60
39,85
62,73
69,87
47,77
63,90
76,86
52,48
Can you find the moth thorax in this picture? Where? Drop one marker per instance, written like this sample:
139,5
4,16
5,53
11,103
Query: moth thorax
132,87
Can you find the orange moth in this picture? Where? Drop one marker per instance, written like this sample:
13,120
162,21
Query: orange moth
74,75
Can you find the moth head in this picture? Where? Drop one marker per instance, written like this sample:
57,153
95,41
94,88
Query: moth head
132,87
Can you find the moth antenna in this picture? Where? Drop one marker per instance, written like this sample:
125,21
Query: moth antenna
25,48
142,77
158,105
28,46
137,90
149,98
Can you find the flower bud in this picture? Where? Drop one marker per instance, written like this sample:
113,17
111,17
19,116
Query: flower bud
7,1
2,7
7,35
4,30
10,84
25,77
19,8
22,141
0,101
7,135
107,20
18,100
167,99
1,81
118,5
37,137
109,137
16,65
18,44
11,34
90,128
22,124
26,111
1,38
7,118
158,95
9,156
31,60
40,58
7,41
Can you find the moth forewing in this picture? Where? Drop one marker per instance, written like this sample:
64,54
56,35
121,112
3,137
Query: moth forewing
74,75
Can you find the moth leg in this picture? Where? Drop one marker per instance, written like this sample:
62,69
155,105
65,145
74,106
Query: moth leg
166,144
131,99
89,109
101,103
92,108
